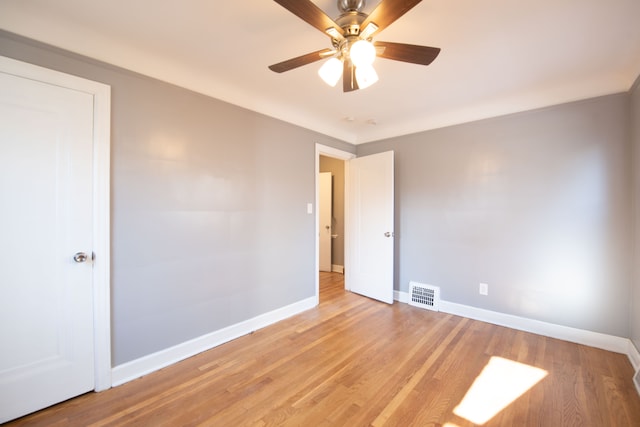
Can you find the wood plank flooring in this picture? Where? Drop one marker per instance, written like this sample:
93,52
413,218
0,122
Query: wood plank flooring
356,362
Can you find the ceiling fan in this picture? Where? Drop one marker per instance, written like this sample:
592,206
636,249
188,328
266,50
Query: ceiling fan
353,51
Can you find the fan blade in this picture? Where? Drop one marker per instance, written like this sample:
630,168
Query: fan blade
299,61
422,55
312,15
349,82
387,12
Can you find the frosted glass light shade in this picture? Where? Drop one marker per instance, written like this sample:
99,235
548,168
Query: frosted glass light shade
366,76
331,71
362,53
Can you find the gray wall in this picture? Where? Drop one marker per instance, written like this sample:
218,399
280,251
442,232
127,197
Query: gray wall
209,202
535,204
209,222
635,138
336,167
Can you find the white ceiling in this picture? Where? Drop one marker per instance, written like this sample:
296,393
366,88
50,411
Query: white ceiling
498,56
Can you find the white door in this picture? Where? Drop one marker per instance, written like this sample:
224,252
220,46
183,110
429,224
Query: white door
46,305
325,215
370,221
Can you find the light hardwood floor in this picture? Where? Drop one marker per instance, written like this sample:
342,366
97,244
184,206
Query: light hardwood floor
356,362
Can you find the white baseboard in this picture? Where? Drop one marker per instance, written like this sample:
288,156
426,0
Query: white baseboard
634,356
401,296
153,362
579,336
337,268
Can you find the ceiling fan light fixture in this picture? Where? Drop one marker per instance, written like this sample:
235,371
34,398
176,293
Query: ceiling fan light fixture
353,52
366,76
362,53
368,30
331,71
333,33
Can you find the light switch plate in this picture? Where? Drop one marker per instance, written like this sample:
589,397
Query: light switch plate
483,289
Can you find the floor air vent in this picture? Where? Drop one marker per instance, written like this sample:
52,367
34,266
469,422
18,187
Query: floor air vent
424,296
636,380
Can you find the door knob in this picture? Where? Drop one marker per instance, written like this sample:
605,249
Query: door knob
80,257
387,234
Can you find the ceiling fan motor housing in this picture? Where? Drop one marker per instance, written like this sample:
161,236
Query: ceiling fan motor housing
350,5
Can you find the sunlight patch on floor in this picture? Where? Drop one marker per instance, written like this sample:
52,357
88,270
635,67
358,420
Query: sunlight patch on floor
500,383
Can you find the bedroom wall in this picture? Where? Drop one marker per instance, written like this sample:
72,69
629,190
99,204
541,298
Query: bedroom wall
635,138
209,221
535,204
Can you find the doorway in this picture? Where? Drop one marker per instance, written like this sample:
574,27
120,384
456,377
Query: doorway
331,211
334,161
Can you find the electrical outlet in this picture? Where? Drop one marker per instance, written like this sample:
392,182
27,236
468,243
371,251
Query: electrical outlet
483,289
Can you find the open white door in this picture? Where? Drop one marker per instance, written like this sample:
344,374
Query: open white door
47,310
369,269
325,211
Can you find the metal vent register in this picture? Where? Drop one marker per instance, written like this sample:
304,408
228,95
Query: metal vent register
424,296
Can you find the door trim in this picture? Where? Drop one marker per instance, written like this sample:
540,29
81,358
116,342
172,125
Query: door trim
101,202
325,150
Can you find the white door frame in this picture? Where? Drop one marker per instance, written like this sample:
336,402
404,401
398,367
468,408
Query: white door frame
324,150
101,202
